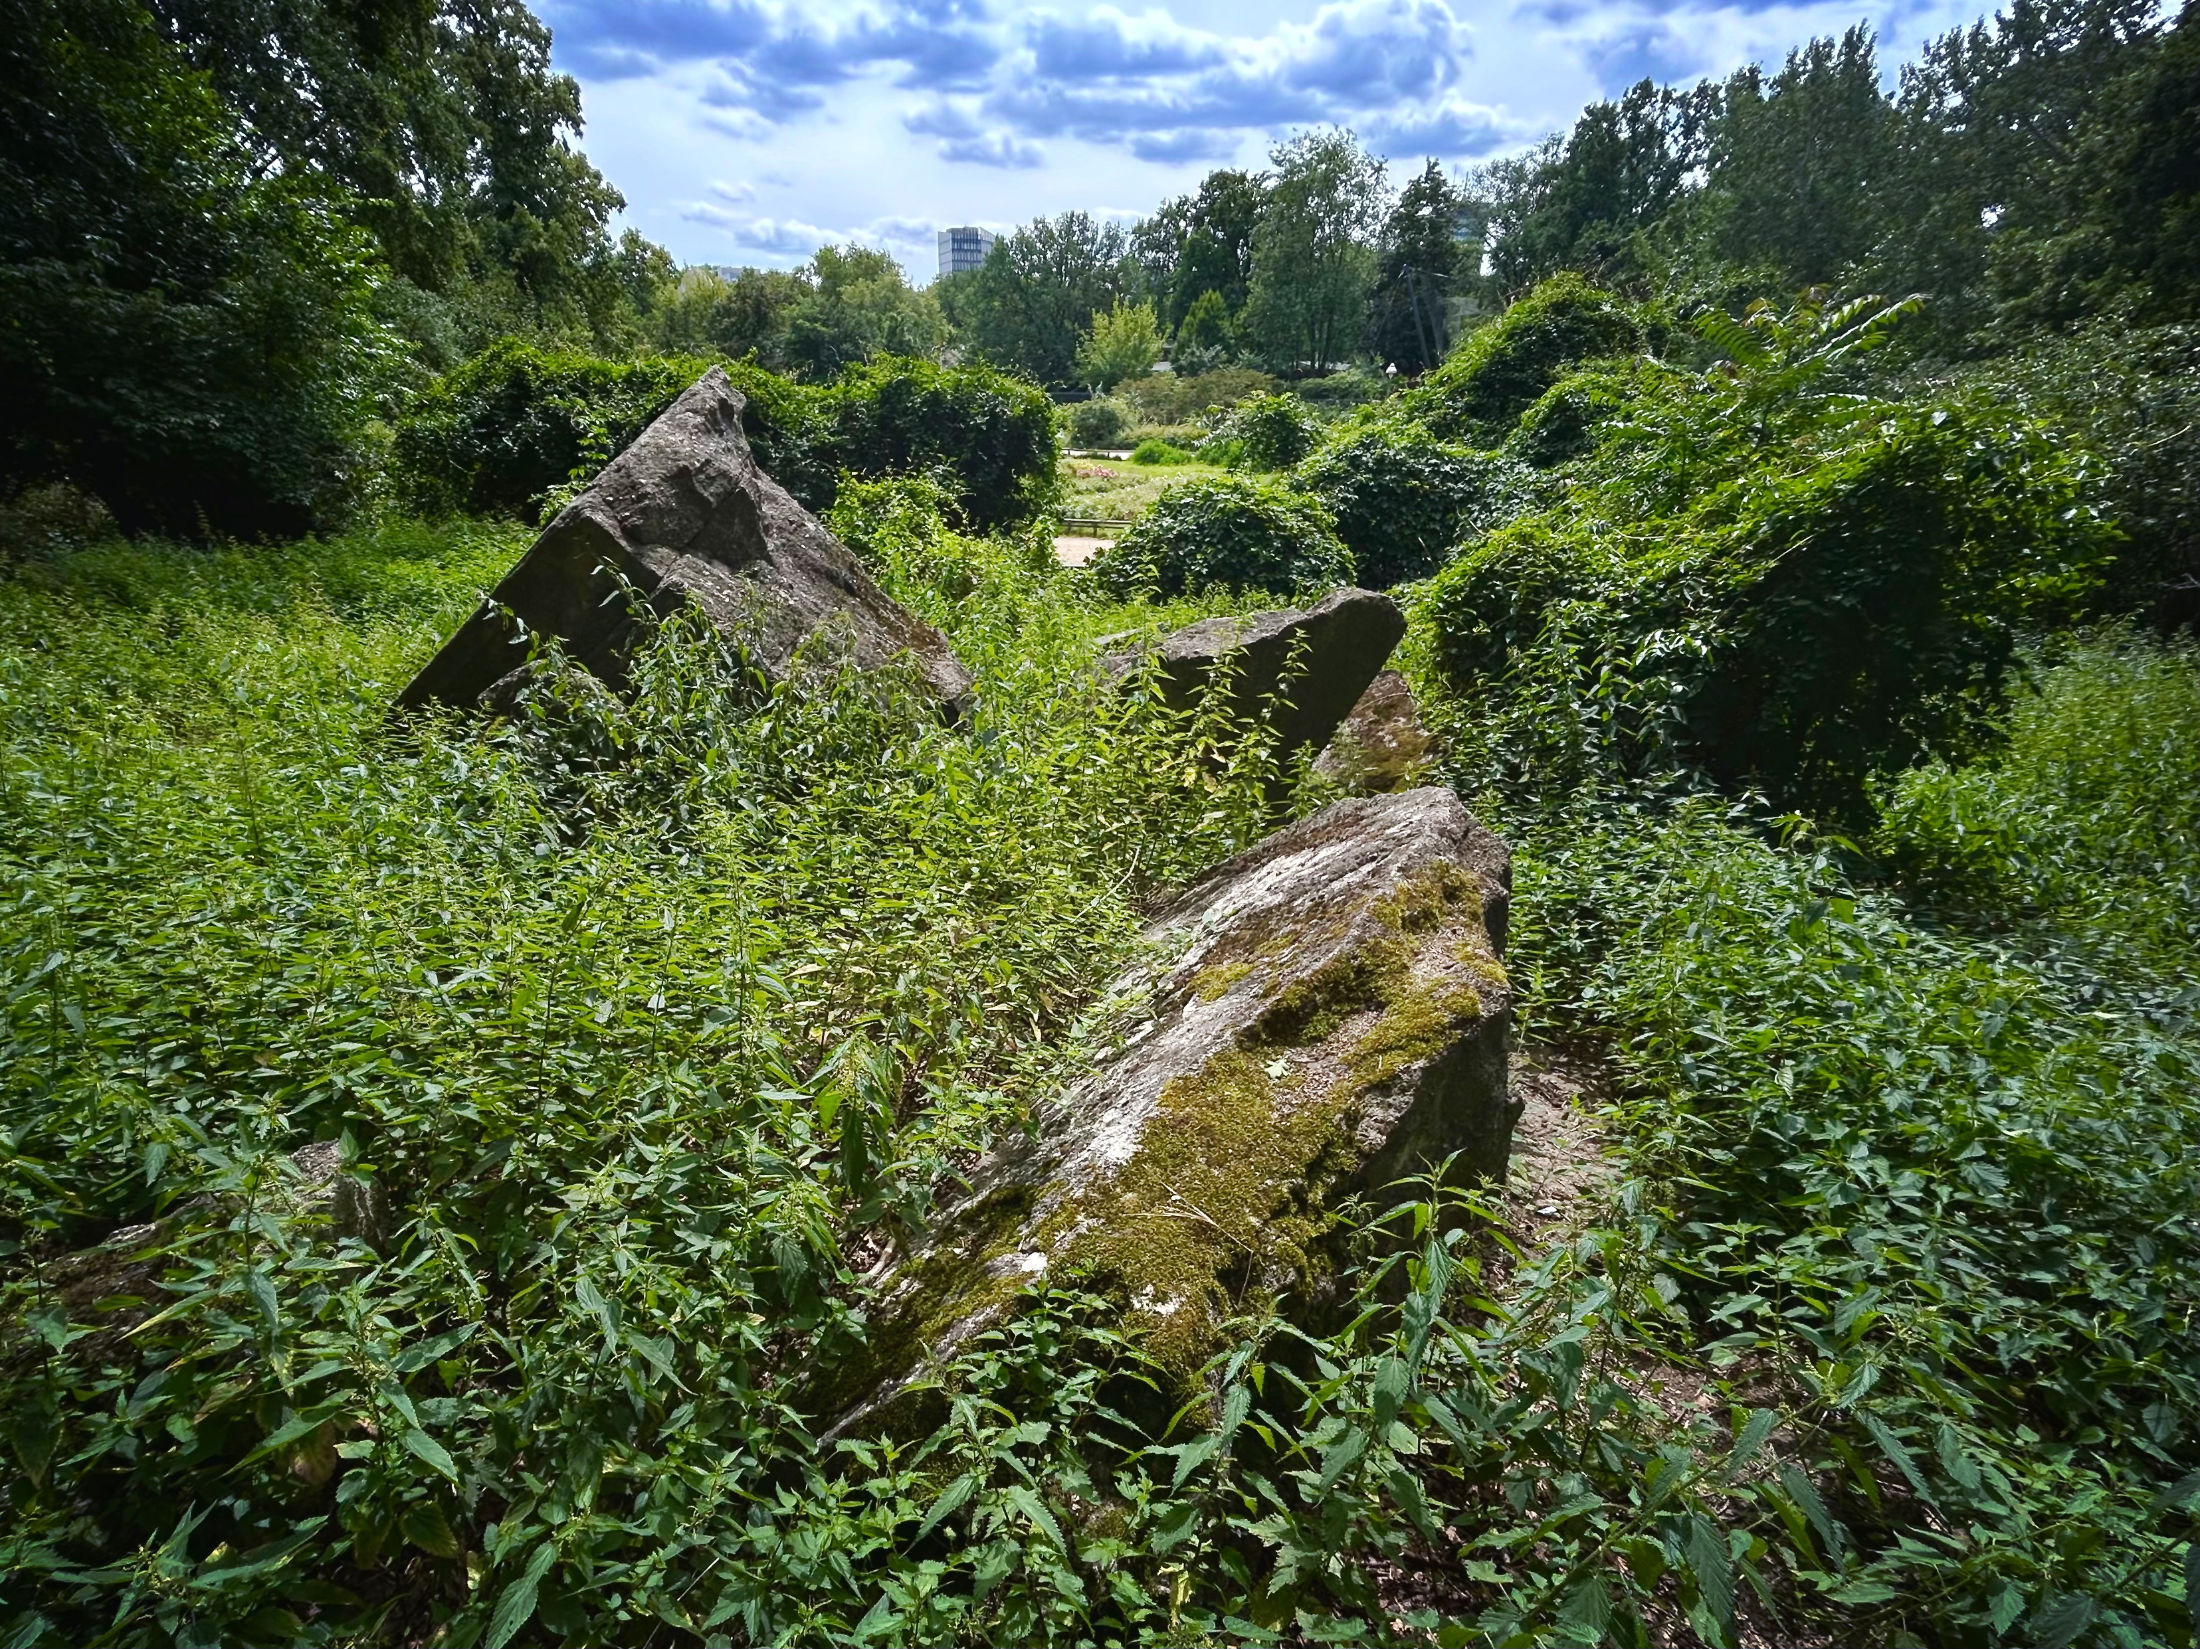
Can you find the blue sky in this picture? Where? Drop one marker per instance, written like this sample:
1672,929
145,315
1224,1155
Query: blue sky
750,131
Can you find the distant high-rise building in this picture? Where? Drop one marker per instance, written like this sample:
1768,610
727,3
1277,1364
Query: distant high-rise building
963,249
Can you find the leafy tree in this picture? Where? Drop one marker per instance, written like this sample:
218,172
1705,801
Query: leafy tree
1122,343
1203,341
848,304
1799,162
711,311
1203,242
1311,254
1581,203
1026,306
2050,163
182,331
1416,264
858,308
444,122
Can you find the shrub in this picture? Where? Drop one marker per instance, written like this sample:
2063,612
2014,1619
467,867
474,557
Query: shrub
993,434
1339,391
1500,371
2131,397
1231,532
1153,450
901,530
501,433
1403,499
1099,422
2089,815
1564,422
1178,397
509,428
1809,623
1268,432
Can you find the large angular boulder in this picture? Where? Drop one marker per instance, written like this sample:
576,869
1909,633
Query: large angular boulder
1382,745
1332,1015
1298,671
684,517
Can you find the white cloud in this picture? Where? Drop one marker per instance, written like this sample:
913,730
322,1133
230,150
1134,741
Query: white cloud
881,118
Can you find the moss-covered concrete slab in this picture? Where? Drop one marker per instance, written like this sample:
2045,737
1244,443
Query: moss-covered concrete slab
683,517
1297,670
1329,1013
1382,745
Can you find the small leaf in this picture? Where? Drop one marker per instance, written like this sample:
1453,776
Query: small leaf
1340,1457
426,1527
1955,1460
1754,1432
262,1291
1028,1503
1391,1381
1805,1495
1174,1525
419,1444
516,1604
1713,1566
2184,1489
33,1425
2058,1624
416,1357
1586,1611
1863,1591
1900,1457
950,1501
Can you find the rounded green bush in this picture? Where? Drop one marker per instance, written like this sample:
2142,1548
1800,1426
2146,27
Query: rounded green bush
1099,422
1809,624
994,434
1270,432
1229,532
1403,499
1479,393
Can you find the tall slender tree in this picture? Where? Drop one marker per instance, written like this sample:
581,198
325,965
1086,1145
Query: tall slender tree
1418,260
1312,252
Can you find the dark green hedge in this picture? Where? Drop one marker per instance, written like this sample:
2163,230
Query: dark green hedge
991,437
503,432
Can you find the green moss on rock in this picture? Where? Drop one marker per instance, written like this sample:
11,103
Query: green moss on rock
1226,1181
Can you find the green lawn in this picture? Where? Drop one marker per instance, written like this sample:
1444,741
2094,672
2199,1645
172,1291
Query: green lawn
1120,489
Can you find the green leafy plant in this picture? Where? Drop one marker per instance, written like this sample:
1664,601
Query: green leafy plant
1097,422
1500,370
1154,450
1788,588
1267,432
1226,533
991,434
508,430
1404,501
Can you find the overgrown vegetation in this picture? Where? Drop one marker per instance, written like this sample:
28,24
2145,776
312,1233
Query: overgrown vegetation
438,1161
518,426
1226,533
